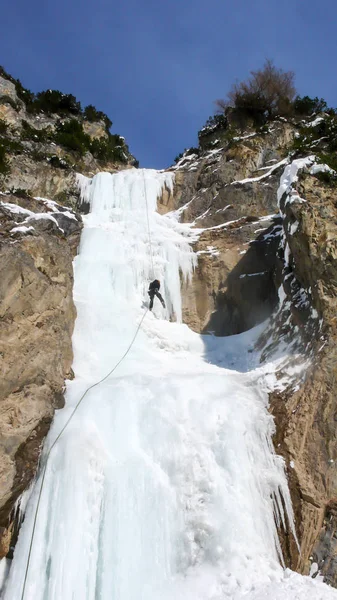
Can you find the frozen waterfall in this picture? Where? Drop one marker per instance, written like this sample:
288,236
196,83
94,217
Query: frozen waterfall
164,486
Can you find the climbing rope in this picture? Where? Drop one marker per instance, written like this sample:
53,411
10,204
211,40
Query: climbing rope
77,406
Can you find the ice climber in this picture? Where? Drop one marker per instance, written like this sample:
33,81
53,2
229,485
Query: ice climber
154,291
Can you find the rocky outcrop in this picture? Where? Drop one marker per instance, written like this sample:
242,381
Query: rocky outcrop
7,90
233,286
36,162
38,240
229,193
306,414
39,179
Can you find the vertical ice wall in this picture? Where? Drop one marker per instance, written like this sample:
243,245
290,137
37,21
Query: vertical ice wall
163,485
126,204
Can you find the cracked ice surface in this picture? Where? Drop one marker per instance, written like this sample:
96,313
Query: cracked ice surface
164,486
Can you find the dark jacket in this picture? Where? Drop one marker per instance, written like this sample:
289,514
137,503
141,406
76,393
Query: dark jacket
154,286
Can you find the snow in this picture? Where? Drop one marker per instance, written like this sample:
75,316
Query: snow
294,587
254,179
223,209
51,204
5,564
244,137
315,122
252,274
186,158
32,216
191,162
165,485
204,214
240,220
22,229
293,228
317,142
226,224
212,153
211,250
287,186
321,169
266,218
15,209
176,214
42,216
289,176
56,208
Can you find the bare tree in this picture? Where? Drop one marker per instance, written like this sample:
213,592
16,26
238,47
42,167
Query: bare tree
266,93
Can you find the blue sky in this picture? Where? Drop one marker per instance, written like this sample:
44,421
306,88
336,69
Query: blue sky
156,67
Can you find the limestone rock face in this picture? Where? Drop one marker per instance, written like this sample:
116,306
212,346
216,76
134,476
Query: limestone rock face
230,193
7,89
306,416
233,286
96,130
38,240
41,179
8,113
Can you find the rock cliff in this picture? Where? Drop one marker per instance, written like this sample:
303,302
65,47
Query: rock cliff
230,195
38,240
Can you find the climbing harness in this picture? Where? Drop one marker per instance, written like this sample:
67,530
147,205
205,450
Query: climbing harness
77,406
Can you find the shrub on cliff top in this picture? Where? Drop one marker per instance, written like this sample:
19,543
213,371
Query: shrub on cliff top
92,114
69,134
213,123
306,106
266,93
318,137
23,93
112,148
53,101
